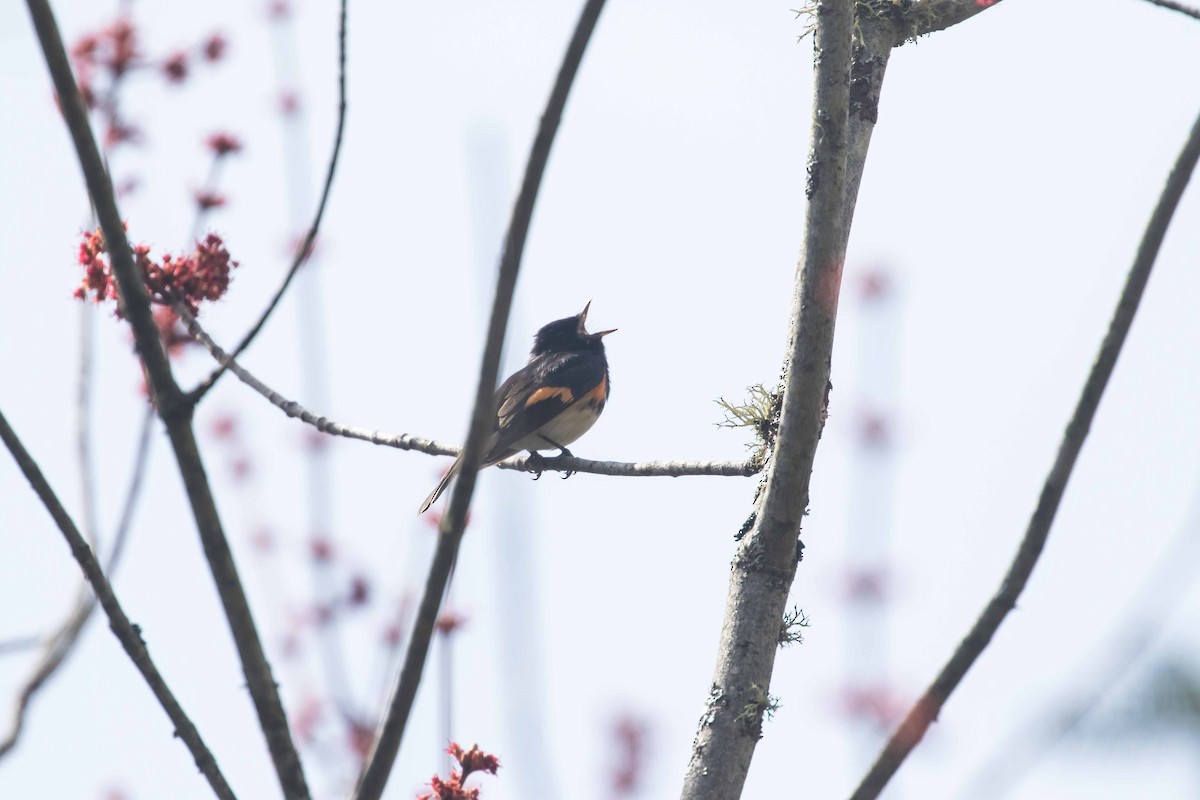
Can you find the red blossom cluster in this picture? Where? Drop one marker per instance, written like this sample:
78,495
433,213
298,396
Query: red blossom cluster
449,621
103,58
875,703
307,717
473,760
213,48
360,592
113,49
223,144
207,200
101,61
191,279
630,734
361,738
176,66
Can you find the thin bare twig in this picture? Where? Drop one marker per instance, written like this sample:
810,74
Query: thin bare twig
129,634
403,441
174,411
927,708
387,743
58,646
1143,620
306,247
1174,6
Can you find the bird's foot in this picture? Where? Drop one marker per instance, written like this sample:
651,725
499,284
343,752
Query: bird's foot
564,453
537,463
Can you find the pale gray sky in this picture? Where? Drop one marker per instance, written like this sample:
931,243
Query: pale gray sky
1016,161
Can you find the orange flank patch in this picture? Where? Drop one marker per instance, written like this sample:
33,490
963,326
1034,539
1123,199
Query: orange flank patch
545,393
597,396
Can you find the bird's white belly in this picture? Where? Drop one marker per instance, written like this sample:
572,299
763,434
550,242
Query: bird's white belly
563,429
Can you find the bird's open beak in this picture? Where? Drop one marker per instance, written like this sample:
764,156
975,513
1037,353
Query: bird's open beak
582,324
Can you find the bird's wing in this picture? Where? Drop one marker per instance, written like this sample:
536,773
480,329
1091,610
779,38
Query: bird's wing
539,392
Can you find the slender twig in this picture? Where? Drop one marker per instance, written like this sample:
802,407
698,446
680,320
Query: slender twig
129,634
387,744
1174,6
306,247
672,469
927,708
59,645
1143,620
176,414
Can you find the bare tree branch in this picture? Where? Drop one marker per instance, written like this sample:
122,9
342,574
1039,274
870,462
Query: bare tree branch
927,708
765,563
852,47
483,417
125,631
1163,592
672,469
59,645
306,247
175,412
931,16
1174,6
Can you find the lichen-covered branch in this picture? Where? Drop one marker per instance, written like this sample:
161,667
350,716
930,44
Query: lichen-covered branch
765,562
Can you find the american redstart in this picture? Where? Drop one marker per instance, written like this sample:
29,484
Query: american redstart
552,400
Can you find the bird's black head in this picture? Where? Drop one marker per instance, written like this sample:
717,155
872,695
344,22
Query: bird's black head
568,335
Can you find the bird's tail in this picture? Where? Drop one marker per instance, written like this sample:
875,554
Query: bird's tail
441,487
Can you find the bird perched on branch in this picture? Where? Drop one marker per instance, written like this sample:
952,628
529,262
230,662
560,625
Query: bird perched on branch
551,401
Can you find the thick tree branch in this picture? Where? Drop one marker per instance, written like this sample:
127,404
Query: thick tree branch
387,744
174,410
126,632
765,562
306,247
672,469
927,708
931,16
844,118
